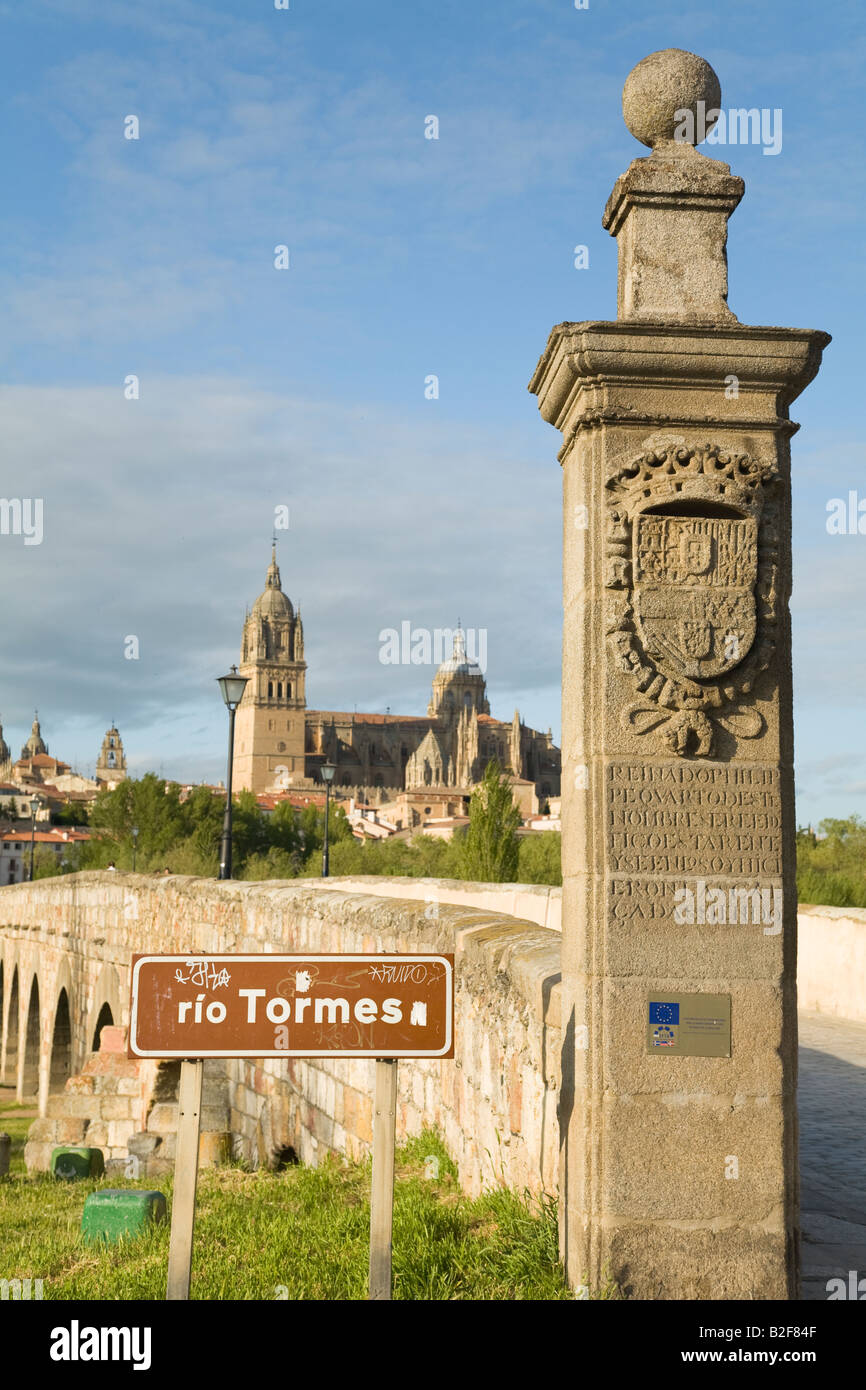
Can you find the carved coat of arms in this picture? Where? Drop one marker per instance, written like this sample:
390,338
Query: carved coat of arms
691,568
694,591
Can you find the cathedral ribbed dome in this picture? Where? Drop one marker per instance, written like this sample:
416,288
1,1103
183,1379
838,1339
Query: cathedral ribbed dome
35,743
273,603
458,663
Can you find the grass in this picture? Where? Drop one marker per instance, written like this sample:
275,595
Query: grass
16,1121
299,1234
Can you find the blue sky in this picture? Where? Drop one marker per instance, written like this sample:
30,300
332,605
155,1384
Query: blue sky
305,387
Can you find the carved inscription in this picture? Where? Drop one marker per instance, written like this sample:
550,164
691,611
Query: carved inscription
688,818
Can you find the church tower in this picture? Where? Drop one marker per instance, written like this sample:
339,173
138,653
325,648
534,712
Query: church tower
270,723
111,767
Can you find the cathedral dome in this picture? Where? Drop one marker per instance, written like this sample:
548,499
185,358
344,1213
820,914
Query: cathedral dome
459,663
35,743
273,603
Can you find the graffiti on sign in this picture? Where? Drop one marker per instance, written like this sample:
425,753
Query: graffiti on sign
292,1006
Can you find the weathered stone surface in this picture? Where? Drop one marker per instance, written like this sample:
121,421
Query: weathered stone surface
726,1262
213,1149
669,212
71,1131
660,87
116,1108
677,739
42,1131
163,1118
119,1133
80,1085
143,1144
37,1155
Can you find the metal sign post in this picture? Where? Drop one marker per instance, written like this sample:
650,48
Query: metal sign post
382,1186
185,1180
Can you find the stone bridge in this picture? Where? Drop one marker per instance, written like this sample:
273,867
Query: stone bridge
66,946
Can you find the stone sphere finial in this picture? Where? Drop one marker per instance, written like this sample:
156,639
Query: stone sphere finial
664,84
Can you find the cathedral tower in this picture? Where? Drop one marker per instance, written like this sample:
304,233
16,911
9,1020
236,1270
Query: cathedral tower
269,731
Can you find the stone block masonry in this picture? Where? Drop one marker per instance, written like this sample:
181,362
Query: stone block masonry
128,1109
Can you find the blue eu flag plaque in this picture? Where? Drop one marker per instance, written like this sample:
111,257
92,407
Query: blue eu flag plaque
688,1025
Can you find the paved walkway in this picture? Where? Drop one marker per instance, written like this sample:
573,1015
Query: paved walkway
832,1150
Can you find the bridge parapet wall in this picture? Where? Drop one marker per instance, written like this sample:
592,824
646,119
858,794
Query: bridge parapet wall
495,1102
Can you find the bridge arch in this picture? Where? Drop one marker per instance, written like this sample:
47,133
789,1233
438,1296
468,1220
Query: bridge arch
60,1061
59,1035
10,1029
31,1040
106,1008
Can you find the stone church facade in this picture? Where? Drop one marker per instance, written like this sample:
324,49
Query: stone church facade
279,743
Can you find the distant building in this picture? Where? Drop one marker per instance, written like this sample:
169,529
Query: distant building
15,849
38,773
281,745
5,758
111,766
15,803
270,724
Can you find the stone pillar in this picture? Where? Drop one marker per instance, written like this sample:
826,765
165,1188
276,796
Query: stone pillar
678,1111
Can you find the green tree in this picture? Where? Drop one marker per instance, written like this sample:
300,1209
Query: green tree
489,849
541,857
274,863
46,863
425,856
831,865
149,803
311,829
198,853
73,813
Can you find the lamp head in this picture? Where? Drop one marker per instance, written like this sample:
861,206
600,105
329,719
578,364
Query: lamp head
232,687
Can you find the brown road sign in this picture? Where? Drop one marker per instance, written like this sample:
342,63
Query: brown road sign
292,1006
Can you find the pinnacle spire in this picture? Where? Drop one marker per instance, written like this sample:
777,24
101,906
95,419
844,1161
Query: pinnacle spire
273,579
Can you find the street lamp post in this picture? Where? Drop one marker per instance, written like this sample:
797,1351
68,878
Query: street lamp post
327,770
34,807
134,845
232,687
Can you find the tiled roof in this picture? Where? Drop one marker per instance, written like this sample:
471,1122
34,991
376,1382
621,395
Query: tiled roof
327,714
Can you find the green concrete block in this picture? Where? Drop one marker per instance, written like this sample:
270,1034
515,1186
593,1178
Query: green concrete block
117,1212
74,1161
